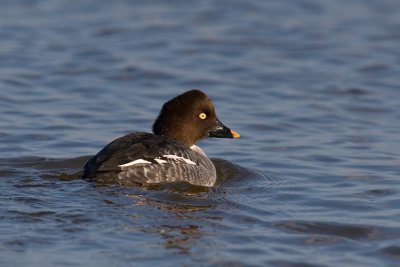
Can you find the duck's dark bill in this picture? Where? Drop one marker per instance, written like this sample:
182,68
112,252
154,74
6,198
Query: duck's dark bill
223,132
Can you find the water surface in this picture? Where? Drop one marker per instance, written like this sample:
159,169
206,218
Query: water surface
312,87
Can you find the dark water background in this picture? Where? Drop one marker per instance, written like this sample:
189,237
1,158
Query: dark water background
312,86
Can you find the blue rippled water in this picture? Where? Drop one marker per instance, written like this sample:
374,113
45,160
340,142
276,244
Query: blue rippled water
312,87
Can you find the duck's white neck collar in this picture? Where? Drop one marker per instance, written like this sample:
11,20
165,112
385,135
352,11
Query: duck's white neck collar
197,149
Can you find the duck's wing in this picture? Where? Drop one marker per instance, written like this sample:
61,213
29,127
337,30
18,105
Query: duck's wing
130,148
148,158
113,154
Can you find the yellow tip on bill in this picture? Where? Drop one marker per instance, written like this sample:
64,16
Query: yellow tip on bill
235,134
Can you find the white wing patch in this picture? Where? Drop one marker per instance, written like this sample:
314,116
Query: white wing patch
160,161
178,158
135,162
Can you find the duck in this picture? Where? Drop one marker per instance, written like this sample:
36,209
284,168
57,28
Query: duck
169,154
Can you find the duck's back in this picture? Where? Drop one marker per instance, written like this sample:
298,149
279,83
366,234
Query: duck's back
148,158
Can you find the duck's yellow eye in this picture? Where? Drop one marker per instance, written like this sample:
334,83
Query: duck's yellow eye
202,116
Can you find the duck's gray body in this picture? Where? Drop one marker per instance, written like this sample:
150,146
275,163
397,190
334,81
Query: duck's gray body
146,158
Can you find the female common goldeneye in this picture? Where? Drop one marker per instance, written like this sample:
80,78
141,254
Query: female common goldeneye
168,155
